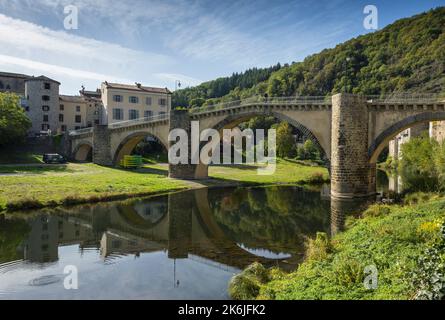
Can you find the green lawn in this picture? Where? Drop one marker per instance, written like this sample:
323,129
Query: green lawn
24,187
76,183
392,238
287,172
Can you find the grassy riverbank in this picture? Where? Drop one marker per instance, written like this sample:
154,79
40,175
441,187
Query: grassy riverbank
391,238
25,187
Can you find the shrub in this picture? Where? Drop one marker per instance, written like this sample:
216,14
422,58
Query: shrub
377,210
348,271
318,248
242,287
429,277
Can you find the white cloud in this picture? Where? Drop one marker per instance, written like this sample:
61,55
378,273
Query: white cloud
66,56
186,81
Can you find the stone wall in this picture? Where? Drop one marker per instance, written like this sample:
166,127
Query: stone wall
437,130
180,119
102,146
351,173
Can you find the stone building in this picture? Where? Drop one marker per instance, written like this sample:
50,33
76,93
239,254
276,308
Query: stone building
94,106
13,82
72,113
128,102
437,130
42,95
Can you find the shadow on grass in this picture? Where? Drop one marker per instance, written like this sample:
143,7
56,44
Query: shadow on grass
37,169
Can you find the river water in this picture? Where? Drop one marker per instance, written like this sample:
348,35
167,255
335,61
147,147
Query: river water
184,245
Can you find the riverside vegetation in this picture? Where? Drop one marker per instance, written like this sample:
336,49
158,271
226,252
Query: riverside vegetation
406,242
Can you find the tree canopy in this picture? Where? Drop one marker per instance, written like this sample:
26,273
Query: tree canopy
13,121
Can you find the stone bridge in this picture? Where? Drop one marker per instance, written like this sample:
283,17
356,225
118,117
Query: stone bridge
350,130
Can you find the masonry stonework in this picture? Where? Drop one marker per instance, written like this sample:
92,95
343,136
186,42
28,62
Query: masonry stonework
351,173
180,119
102,146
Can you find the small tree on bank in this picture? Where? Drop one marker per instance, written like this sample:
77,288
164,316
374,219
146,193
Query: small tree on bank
285,140
13,121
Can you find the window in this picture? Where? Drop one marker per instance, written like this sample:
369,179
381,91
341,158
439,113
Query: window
45,127
162,102
161,113
96,121
61,107
27,109
148,113
77,108
1,85
133,99
148,101
45,98
117,98
63,128
133,114
77,128
60,117
47,86
45,108
78,118
118,114
45,118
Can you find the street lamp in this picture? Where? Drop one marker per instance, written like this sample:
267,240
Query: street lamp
177,84
346,73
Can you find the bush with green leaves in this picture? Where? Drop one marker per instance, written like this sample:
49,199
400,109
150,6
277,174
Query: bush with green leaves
429,277
308,151
422,165
14,123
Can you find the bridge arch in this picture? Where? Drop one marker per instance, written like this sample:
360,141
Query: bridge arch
83,151
233,120
382,140
127,145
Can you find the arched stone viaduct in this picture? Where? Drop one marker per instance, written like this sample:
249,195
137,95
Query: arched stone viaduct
351,131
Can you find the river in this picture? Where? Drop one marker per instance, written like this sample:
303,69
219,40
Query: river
184,245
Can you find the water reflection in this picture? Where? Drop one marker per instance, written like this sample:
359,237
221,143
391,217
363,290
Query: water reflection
184,245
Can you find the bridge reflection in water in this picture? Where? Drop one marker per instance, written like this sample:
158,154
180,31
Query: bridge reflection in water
225,229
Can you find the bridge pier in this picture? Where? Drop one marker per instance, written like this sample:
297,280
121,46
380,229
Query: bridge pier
102,146
352,175
180,119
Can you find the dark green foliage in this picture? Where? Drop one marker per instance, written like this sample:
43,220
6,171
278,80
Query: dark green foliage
285,140
308,151
220,87
429,277
13,121
422,164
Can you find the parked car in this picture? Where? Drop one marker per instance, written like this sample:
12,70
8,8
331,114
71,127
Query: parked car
53,158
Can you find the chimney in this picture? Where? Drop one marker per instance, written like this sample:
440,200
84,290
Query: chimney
138,85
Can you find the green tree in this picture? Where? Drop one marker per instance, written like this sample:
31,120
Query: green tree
13,121
285,140
308,151
417,168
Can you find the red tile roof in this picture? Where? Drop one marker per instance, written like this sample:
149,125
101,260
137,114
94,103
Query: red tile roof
136,87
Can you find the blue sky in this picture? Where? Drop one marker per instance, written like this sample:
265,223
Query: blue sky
158,42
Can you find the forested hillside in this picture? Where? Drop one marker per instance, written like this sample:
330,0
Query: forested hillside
406,56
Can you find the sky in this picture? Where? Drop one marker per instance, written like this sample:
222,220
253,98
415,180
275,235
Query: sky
156,42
